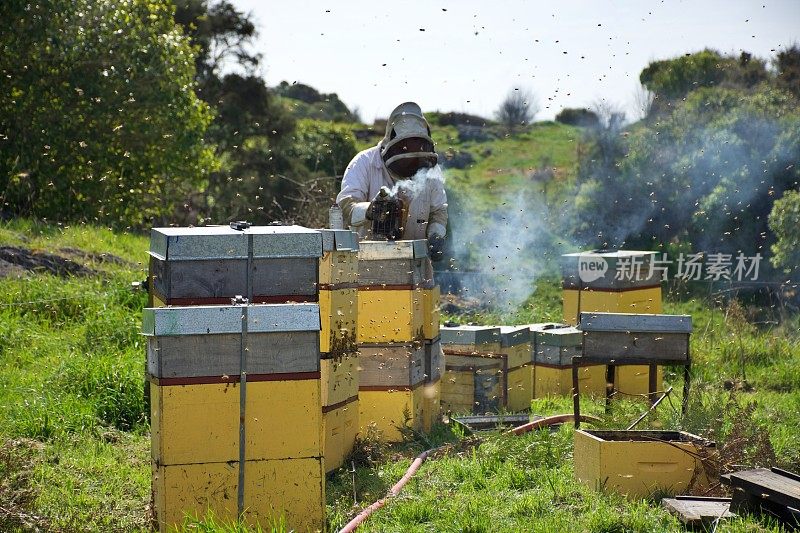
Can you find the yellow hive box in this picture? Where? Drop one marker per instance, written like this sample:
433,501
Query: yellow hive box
473,384
388,315
337,267
629,380
430,312
389,409
339,431
338,311
200,423
639,301
292,488
640,463
520,388
432,406
339,378
557,381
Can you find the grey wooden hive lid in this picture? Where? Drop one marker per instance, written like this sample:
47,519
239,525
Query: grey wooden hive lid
629,322
514,335
342,240
566,336
224,242
377,250
613,259
469,335
214,319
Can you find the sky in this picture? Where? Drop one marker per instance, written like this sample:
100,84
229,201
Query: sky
467,55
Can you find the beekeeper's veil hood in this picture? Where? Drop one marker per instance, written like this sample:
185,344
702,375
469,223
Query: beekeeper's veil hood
407,146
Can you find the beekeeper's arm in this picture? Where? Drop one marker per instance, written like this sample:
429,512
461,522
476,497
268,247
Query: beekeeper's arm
437,220
355,187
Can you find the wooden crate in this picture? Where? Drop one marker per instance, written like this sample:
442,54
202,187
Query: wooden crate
339,378
339,315
430,312
474,384
390,410
338,265
292,488
208,265
394,263
633,336
641,463
600,269
339,431
390,315
199,422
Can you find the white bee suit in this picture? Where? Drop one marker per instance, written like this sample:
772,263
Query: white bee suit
363,179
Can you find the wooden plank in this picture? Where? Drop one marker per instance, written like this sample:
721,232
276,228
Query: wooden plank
694,512
635,323
652,347
217,355
768,485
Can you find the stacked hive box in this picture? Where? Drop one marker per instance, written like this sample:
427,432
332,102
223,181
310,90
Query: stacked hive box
624,281
392,277
515,345
338,297
555,348
202,417
534,329
475,370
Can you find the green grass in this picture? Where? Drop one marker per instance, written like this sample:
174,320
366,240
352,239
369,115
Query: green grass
74,435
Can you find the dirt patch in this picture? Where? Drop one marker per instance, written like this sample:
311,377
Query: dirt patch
40,262
101,258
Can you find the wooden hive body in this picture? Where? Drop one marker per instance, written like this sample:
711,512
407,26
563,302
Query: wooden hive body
208,265
641,463
434,368
476,370
193,367
555,348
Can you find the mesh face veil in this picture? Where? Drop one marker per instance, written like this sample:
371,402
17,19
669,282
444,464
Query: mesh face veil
407,146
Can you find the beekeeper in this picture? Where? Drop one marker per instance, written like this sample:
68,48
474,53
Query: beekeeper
405,153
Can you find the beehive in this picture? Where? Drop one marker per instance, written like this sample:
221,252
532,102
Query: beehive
639,293
430,311
515,344
475,370
208,265
555,348
391,382
641,463
391,277
338,300
434,368
193,361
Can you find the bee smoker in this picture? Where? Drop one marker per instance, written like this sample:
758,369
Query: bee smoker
387,213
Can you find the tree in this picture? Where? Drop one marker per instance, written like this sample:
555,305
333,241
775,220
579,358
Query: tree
787,63
784,221
578,117
252,132
518,109
98,116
